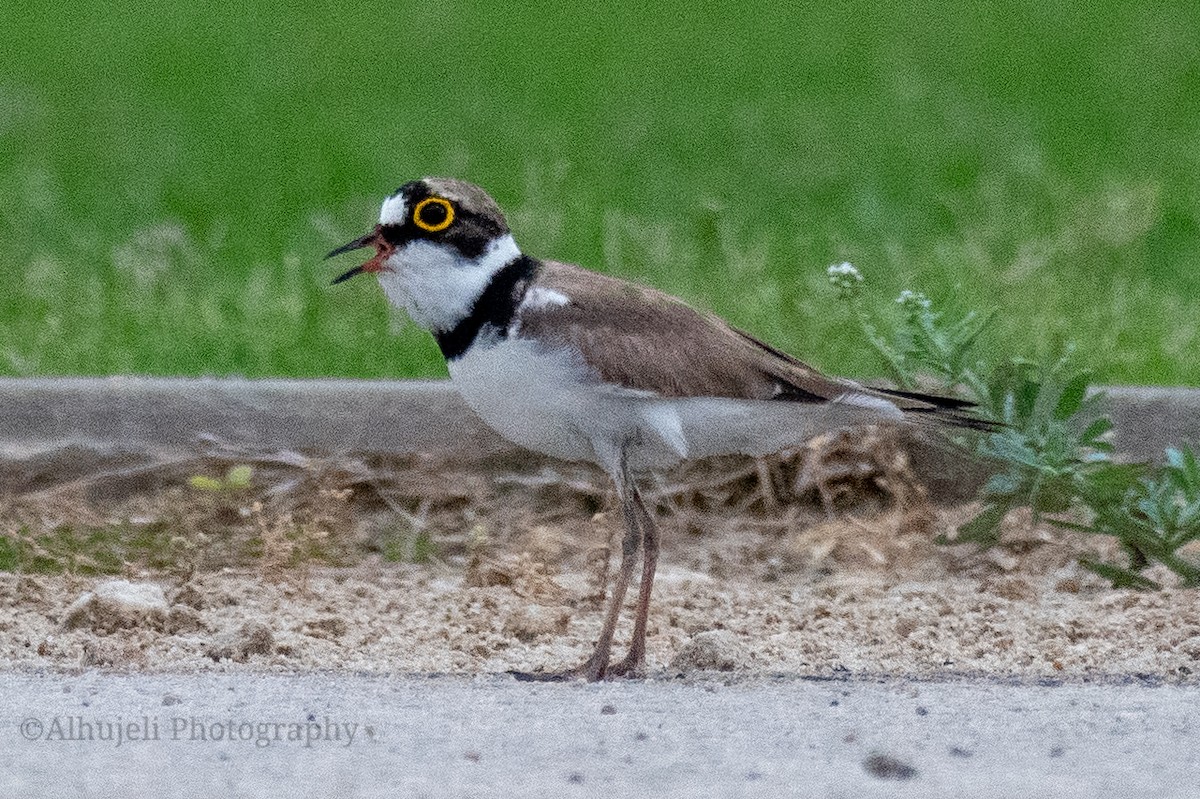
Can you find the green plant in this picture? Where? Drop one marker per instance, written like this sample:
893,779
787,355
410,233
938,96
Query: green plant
89,549
411,546
1154,513
1050,433
1048,447
923,343
236,478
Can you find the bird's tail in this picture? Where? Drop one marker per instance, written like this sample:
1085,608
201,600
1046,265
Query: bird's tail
939,410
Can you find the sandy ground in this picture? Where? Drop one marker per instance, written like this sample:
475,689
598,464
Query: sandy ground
920,610
803,636
767,569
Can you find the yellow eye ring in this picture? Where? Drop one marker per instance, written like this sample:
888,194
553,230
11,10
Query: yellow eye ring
423,207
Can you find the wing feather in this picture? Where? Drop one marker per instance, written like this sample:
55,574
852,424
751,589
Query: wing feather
641,339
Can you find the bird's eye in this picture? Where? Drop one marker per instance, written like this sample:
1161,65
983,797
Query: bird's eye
433,214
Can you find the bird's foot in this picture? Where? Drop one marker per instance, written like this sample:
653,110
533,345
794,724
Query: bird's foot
567,675
632,667
593,669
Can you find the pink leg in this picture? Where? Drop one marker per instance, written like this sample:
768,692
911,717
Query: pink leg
596,666
634,664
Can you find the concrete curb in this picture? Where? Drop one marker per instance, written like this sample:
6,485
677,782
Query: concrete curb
376,416
386,416
37,414
1149,418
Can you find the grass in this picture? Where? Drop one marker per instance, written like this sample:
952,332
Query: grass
90,550
171,174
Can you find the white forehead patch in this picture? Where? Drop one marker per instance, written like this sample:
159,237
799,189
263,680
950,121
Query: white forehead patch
394,210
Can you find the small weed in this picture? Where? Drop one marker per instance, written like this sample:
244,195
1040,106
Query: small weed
1050,450
1051,442
923,343
409,547
236,478
10,553
1154,513
86,549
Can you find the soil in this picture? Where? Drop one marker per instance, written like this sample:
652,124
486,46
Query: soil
423,566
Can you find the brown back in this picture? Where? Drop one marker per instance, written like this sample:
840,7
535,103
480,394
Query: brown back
640,338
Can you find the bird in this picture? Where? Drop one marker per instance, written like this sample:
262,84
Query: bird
583,366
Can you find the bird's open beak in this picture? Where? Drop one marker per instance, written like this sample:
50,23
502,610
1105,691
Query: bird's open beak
372,239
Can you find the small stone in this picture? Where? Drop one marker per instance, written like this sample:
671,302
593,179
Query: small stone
529,624
711,650
252,638
886,767
118,604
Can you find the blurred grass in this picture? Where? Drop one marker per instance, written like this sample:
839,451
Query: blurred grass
92,550
171,174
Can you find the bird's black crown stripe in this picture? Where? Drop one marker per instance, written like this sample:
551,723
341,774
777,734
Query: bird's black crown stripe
496,307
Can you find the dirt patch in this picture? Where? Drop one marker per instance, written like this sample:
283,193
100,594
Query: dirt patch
418,566
421,619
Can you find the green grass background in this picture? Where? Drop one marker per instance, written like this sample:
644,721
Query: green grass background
172,173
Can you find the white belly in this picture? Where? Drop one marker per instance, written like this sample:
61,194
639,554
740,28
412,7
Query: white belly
548,402
539,400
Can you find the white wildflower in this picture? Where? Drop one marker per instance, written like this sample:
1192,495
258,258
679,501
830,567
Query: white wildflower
845,277
914,303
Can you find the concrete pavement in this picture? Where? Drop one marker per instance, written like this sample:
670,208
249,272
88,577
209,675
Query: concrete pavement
366,736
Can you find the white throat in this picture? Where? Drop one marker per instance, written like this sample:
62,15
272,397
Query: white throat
436,285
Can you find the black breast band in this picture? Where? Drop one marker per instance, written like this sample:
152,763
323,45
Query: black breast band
496,307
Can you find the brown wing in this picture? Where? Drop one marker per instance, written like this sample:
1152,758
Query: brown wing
640,338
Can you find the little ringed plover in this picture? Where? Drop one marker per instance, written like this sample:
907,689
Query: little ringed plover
586,367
